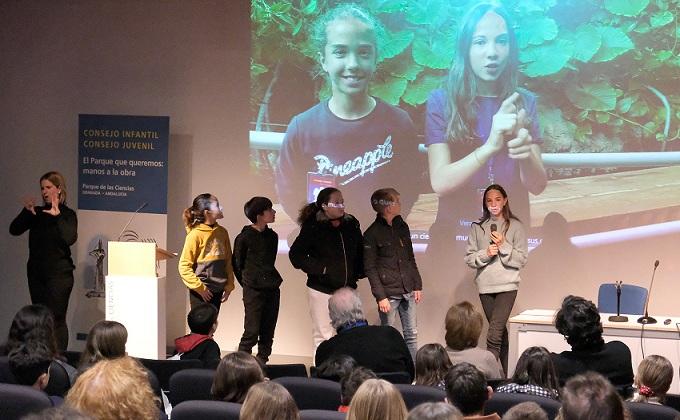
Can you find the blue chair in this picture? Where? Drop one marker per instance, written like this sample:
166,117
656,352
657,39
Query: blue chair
632,299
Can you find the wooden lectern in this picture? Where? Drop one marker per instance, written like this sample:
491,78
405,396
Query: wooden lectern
135,296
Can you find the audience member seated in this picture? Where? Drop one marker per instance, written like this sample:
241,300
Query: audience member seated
528,410
269,401
235,374
106,340
435,411
202,320
534,375
463,328
114,389
63,412
432,364
30,364
579,322
350,383
653,380
377,399
379,348
335,367
466,388
36,323
591,397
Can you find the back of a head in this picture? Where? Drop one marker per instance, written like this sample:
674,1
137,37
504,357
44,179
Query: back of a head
336,367
463,326
106,340
235,375
654,377
578,320
527,410
344,307
377,399
591,397
352,381
201,318
466,388
114,389
269,401
432,364
535,366
32,323
435,411
62,412
29,361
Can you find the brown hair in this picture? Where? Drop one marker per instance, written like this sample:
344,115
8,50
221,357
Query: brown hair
463,326
195,214
432,363
383,198
309,210
590,397
528,410
656,373
114,389
377,399
57,179
235,374
269,401
106,340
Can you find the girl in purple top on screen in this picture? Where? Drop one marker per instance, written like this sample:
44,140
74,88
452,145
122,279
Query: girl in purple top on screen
481,129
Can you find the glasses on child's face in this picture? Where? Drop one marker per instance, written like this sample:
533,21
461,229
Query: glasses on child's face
336,205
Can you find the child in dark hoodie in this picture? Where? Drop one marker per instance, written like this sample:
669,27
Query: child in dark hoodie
202,320
253,262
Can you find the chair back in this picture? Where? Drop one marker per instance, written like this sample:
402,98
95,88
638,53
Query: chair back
632,299
59,382
291,369
672,400
6,376
645,411
418,394
206,410
500,402
312,393
190,384
320,415
395,377
16,401
164,369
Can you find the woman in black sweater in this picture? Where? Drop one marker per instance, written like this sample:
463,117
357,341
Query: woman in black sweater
53,228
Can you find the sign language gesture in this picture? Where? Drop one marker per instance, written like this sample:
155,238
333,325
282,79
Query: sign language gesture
520,146
504,122
54,201
29,204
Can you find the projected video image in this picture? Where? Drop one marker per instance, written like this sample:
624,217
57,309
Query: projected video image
572,105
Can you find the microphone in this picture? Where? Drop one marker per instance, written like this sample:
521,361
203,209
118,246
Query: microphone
493,228
618,317
648,319
130,221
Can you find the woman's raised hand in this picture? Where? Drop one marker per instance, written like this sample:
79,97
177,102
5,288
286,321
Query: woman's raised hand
54,200
29,203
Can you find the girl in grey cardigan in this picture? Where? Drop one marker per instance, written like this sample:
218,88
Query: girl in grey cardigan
497,249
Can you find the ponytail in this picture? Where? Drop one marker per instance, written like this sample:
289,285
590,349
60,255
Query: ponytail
195,214
311,209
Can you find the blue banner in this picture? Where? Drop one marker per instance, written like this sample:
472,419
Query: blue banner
123,163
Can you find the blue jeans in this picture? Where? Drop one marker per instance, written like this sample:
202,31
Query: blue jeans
406,306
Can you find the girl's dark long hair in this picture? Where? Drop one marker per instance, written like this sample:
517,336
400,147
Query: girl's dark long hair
310,210
195,214
432,364
535,367
32,323
507,213
461,85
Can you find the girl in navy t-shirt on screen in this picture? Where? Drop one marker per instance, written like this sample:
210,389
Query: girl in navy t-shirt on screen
481,129
352,141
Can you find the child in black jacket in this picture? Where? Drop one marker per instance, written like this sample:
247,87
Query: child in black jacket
202,320
253,261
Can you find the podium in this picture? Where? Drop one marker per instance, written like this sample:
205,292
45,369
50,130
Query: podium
135,296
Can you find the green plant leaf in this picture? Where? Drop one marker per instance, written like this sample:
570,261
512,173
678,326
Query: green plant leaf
614,43
435,55
310,8
395,43
417,92
389,90
639,109
547,59
602,117
600,96
535,30
424,12
587,41
660,19
257,69
626,7
625,103
642,28
385,6
400,67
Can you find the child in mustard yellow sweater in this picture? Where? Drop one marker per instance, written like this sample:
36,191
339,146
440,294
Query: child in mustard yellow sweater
205,264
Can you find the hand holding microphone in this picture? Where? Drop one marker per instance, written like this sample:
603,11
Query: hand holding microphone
492,250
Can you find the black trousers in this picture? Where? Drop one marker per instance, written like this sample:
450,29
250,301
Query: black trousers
497,308
195,299
53,291
261,314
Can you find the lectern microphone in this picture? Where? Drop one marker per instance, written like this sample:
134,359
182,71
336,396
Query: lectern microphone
648,319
